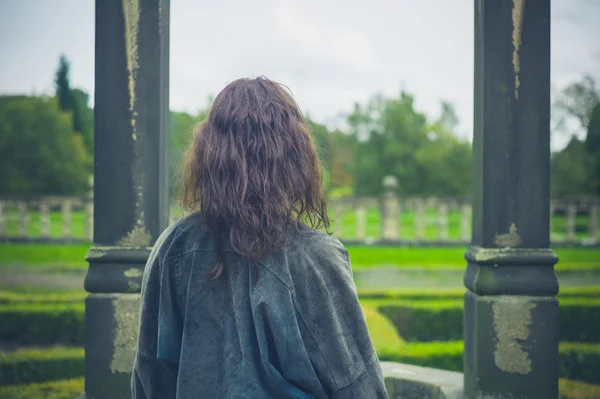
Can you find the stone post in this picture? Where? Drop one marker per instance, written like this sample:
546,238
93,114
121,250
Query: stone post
361,222
23,219
67,209
2,221
443,221
593,222
44,220
390,209
571,220
511,313
131,121
419,219
465,211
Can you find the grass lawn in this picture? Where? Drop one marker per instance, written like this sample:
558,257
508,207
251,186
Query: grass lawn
72,256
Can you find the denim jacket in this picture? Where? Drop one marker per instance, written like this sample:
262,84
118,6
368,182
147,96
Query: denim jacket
289,326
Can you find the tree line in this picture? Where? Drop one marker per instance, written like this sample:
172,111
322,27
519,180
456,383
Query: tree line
46,144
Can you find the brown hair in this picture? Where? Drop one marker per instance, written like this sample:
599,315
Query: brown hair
252,170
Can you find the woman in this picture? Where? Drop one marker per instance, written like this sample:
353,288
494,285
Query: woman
245,298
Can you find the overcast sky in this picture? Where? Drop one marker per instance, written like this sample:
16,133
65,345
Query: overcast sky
330,53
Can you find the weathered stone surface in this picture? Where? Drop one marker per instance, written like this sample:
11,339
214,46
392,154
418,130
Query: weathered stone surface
405,381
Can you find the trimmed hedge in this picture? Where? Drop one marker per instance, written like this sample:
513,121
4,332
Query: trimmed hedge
42,324
39,365
63,389
592,291
443,320
7,297
69,389
577,361
420,321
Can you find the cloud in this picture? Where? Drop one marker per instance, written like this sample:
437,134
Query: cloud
325,41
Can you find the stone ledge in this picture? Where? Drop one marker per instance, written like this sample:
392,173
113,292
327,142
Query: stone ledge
404,381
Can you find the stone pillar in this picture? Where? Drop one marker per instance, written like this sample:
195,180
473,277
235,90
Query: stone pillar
511,313
593,222
23,219
44,220
67,209
2,221
131,121
465,211
419,219
389,212
571,220
361,222
443,221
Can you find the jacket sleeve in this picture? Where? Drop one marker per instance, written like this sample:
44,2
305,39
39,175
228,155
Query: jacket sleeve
342,352
155,367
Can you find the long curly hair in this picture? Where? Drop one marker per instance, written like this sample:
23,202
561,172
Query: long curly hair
252,170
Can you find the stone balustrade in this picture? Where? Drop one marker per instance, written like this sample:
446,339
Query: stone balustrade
386,220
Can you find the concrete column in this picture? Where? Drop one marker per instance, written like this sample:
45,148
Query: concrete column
131,122
511,313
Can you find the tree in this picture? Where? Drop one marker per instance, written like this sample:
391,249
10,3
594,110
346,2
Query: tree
576,100
39,152
570,170
63,87
592,146
83,118
76,102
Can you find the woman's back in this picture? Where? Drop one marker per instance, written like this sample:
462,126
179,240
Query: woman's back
241,299
289,326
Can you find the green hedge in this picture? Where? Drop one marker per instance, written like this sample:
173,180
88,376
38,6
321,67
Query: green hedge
592,291
10,297
443,320
39,365
63,389
577,361
42,324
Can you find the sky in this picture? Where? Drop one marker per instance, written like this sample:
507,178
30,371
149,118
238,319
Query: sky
329,56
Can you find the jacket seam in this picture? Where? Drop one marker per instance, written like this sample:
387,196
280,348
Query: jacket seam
304,323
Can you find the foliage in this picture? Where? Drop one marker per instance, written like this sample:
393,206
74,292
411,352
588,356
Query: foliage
570,170
75,102
576,169
61,389
393,138
38,365
39,153
383,333
180,136
592,145
362,257
42,324
442,320
456,294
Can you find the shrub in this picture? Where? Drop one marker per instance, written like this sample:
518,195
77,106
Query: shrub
38,365
63,389
424,294
42,324
576,361
443,320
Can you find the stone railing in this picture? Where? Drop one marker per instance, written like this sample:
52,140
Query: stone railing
48,218
446,221
388,220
